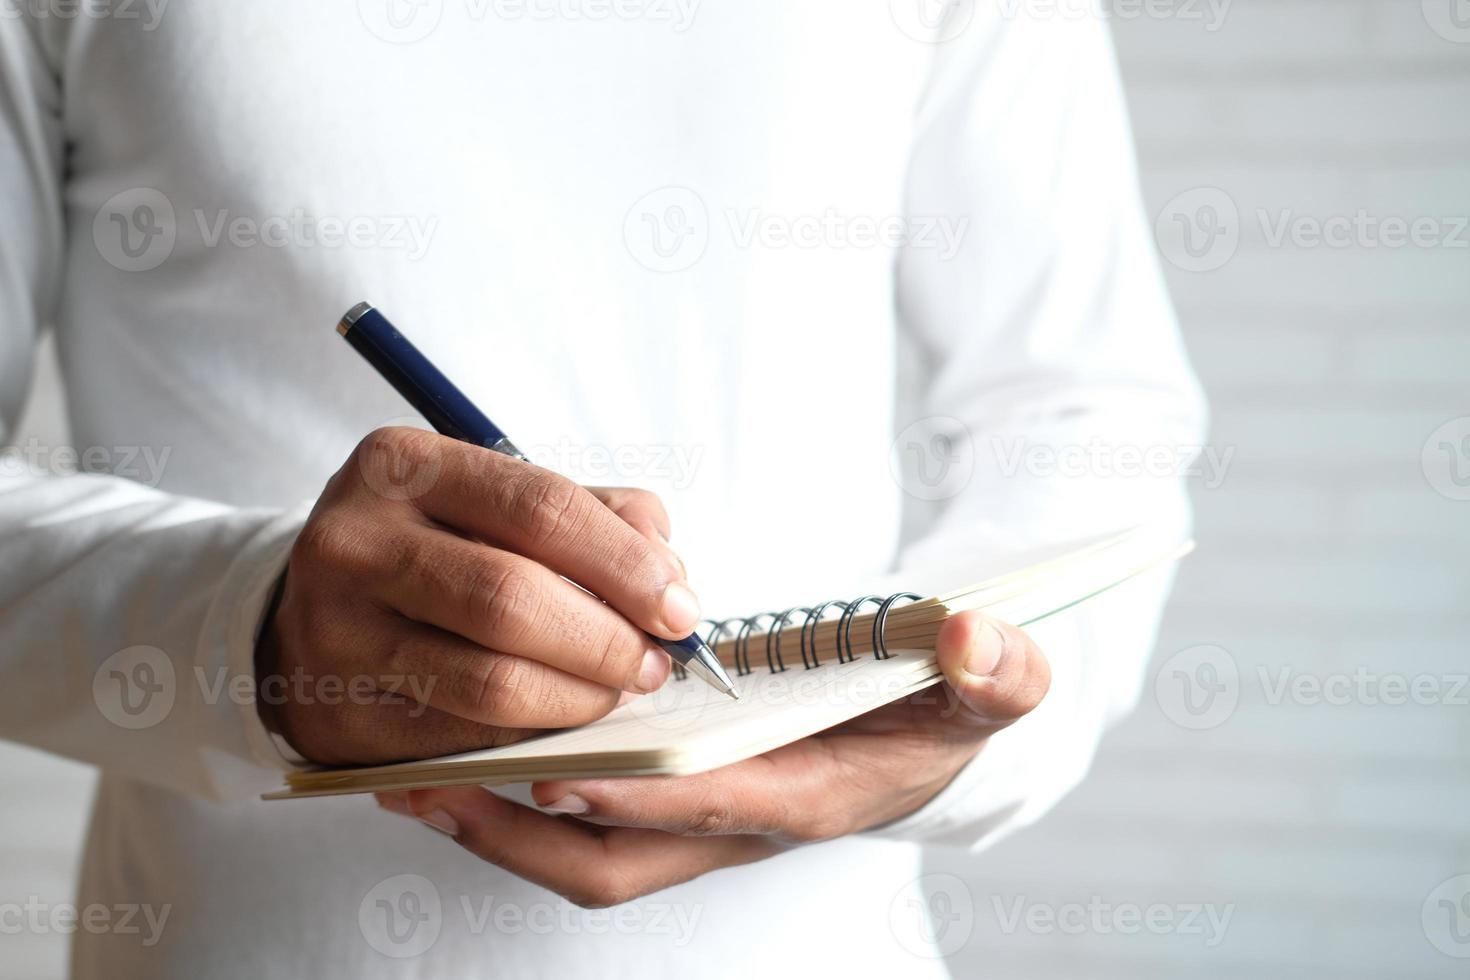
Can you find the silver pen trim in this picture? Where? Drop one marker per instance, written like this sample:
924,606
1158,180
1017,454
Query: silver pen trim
352,316
507,448
704,666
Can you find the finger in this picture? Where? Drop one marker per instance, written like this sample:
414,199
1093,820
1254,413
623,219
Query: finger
640,509
511,604
384,727
996,670
590,866
801,794
462,678
533,512
643,511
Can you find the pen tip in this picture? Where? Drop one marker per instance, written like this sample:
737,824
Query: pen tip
706,666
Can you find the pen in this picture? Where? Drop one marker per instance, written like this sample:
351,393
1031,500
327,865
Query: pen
452,414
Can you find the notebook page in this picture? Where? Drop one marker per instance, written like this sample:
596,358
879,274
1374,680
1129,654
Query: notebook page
686,727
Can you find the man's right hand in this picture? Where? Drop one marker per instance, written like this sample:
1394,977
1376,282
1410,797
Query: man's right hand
441,569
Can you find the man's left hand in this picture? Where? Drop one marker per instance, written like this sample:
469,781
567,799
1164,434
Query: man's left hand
623,838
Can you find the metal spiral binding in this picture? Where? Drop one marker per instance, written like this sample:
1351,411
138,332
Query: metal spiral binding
742,628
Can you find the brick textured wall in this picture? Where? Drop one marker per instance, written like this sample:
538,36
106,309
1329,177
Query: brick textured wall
1322,828
1326,820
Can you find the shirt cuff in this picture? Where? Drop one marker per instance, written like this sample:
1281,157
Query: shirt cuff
240,755
975,809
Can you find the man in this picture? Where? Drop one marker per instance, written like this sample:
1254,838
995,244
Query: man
721,252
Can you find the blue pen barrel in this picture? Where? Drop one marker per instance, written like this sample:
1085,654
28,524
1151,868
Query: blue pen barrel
424,386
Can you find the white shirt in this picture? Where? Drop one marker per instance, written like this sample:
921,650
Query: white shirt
736,253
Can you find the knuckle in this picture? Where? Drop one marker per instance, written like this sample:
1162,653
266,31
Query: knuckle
411,551
635,554
710,816
545,506
398,464
501,688
321,734
395,441
333,542
813,828
708,822
503,599
612,658
403,655
569,706
586,898
604,888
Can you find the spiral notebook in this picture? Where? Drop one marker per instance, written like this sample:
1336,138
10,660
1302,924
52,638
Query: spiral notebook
799,671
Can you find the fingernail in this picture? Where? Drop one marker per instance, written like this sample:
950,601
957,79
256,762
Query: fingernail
441,821
395,803
985,652
654,672
680,609
571,803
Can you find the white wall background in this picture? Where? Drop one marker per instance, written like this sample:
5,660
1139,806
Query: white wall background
1324,550
1322,828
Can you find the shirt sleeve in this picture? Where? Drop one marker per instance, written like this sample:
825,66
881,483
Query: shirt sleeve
127,615
1045,396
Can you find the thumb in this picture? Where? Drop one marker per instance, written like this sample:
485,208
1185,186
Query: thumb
994,668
